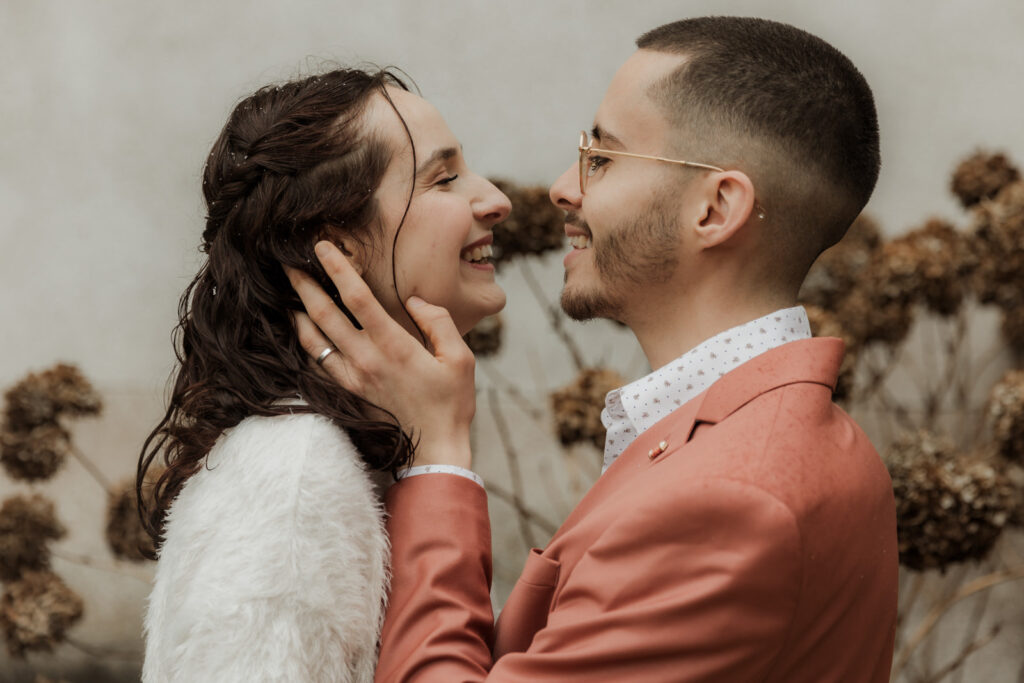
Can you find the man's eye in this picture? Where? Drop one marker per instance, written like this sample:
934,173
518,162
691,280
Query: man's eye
448,180
595,162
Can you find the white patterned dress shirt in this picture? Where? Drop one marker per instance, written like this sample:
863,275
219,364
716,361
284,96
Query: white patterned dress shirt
631,410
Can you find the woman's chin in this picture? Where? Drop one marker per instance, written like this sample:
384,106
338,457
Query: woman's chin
467,319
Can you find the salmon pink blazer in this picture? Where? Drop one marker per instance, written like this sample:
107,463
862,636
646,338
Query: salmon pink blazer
748,536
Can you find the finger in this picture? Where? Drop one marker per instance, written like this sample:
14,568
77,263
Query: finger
353,289
436,322
314,342
326,316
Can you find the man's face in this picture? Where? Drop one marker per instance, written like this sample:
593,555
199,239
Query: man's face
624,230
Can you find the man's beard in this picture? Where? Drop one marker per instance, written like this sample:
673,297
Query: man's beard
640,252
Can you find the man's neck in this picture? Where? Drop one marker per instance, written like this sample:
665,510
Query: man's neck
668,331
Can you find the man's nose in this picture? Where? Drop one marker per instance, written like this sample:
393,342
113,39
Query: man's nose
565,192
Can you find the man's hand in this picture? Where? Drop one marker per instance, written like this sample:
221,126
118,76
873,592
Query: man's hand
432,394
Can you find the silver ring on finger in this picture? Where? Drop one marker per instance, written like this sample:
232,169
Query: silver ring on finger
323,355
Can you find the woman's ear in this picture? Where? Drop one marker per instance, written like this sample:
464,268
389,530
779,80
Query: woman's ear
352,248
726,207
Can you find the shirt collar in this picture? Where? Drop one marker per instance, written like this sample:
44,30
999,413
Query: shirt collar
642,403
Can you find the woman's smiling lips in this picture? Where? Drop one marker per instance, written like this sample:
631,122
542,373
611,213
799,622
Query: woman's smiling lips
479,254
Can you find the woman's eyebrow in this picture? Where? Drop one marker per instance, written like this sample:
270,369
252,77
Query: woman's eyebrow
443,154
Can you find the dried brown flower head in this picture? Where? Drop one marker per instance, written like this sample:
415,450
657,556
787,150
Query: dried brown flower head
928,265
485,338
826,324
1013,328
950,507
40,398
876,311
27,524
36,611
535,225
125,535
998,244
981,176
839,268
578,406
1006,415
36,453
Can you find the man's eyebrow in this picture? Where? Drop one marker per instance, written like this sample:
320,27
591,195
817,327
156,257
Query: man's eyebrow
605,136
443,154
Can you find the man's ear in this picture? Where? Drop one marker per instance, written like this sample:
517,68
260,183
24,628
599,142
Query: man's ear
726,206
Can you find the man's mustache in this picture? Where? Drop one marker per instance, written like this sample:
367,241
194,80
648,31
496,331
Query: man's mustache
574,219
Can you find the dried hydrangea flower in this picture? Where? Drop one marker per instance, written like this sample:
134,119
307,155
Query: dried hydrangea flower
578,406
42,397
1012,328
27,524
485,338
1006,414
950,507
534,226
826,324
36,611
928,265
998,245
838,269
125,534
981,176
875,311
33,454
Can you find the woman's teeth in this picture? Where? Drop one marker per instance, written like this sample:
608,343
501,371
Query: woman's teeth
581,242
478,253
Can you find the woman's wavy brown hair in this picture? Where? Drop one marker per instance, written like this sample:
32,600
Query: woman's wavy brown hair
294,164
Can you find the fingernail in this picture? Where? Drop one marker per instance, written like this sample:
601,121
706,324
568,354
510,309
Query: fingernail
414,302
322,249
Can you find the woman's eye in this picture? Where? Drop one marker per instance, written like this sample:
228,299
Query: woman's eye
595,162
448,180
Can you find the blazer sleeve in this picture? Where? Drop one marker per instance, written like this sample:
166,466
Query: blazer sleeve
701,585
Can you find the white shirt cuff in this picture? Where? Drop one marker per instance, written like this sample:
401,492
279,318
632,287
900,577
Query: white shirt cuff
442,469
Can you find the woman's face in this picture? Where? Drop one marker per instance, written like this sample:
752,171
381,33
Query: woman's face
442,252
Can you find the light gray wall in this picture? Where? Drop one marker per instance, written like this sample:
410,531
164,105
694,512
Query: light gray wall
107,110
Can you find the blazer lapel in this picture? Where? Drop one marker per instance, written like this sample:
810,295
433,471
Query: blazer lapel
814,360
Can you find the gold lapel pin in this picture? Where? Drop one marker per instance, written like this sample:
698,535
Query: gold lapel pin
655,452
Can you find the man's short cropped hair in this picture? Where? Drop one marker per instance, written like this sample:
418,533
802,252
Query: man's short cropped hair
762,80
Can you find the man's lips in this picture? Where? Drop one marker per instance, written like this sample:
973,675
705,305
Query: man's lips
575,226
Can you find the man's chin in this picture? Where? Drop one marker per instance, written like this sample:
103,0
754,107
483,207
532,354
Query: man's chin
582,306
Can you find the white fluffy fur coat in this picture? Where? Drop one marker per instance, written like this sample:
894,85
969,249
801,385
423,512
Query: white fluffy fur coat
274,564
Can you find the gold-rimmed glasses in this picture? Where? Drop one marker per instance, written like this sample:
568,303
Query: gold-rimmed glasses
588,150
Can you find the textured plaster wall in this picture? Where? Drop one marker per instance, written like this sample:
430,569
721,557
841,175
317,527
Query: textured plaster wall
108,110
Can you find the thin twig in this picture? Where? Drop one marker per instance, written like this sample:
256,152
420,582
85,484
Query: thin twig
964,654
104,653
932,618
513,392
878,376
554,315
91,468
86,561
515,475
995,352
539,520
916,584
971,633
